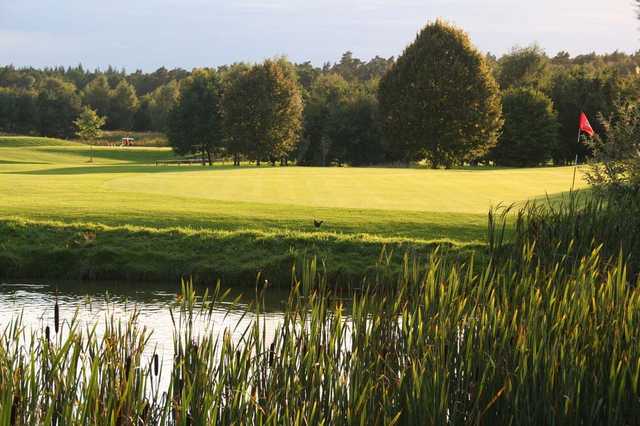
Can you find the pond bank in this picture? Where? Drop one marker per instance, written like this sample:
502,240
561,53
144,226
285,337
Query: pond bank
88,251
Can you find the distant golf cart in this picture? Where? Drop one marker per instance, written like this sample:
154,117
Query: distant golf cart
127,142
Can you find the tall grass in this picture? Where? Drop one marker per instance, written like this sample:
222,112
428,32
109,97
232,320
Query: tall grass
529,339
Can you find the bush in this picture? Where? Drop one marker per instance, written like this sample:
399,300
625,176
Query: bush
615,164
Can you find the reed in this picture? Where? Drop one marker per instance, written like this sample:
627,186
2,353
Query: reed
531,338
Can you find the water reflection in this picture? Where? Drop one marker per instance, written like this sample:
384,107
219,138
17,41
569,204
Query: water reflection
94,302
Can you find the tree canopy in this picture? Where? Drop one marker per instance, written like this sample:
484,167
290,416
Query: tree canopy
195,122
263,111
89,124
530,131
439,101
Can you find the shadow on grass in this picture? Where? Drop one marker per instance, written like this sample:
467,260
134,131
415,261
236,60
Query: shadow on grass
126,168
21,162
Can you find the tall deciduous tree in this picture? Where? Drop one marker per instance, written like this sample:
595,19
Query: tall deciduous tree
439,101
530,131
328,93
97,94
579,90
162,101
123,105
264,110
18,110
58,105
195,123
524,67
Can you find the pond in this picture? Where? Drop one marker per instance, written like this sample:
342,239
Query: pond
93,302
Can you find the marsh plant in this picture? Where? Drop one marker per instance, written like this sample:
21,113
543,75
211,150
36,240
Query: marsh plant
530,338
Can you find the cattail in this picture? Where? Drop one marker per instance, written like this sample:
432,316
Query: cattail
56,316
14,409
47,333
272,354
155,364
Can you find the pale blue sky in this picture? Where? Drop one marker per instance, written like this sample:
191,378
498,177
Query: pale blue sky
187,33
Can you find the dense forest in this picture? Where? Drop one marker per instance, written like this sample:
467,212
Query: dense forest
352,111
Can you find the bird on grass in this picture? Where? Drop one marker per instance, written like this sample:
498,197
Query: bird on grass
317,223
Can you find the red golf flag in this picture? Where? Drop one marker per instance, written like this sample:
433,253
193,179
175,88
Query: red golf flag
585,126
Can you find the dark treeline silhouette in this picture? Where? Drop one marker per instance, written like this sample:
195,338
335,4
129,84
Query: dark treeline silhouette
349,112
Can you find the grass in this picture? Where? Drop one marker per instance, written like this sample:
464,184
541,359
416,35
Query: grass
51,184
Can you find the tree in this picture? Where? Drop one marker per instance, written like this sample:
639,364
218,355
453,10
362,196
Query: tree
328,93
523,67
355,131
341,124
97,94
616,161
123,104
161,102
530,130
235,92
195,122
18,110
58,105
263,108
577,90
439,101
89,124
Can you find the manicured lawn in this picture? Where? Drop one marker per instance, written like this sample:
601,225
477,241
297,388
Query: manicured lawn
50,180
122,186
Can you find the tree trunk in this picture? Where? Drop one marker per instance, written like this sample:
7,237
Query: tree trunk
210,158
258,162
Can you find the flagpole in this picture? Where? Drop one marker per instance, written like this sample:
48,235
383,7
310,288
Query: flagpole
579,133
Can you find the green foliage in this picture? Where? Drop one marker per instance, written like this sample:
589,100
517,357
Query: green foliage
524,67
162,101
97,95
263,111
577,90
530,132
195,122
123,103
439,101
616,161
89,124
548,326
58,105
328,94
341,124
18,110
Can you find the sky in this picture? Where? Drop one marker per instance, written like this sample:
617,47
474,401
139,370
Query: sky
147,34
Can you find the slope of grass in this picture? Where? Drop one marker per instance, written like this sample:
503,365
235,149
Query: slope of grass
29,141
55,249
122,187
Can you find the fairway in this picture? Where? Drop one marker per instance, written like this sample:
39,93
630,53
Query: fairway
53,180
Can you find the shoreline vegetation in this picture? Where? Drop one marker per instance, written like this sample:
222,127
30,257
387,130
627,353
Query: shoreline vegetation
85,251
547,329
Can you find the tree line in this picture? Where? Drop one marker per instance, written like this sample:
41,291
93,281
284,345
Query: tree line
441,102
